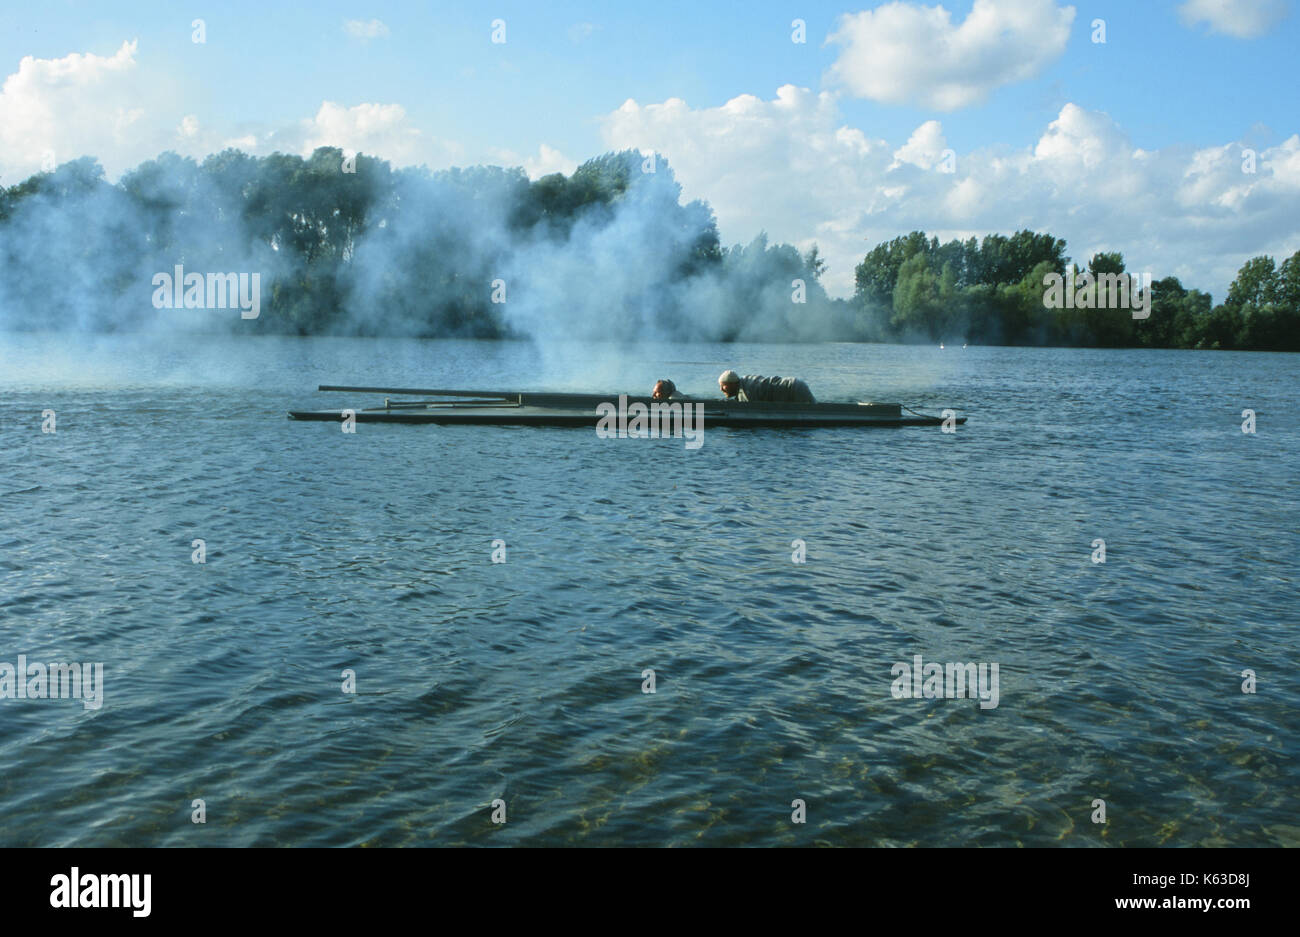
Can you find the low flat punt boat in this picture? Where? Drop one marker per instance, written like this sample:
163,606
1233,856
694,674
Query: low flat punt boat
529,408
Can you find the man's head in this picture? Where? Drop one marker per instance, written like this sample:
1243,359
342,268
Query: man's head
729,383
663,389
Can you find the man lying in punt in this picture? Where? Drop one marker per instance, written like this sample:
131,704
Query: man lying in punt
664,390
754,388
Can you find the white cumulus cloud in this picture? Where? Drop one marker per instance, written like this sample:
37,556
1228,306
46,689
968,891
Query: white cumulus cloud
110,108
381,130
924,147
905,53
1241,19
79,105
791,167
372,29
547,160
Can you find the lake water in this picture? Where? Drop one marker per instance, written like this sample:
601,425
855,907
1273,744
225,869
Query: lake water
523,681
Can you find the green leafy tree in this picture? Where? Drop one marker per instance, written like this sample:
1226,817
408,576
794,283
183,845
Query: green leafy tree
876,276
1256,284
1257,305
918,309
813,263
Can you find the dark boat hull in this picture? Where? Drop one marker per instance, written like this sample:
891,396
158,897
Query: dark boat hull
529,408
737,415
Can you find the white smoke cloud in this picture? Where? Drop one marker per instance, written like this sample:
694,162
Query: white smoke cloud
783,166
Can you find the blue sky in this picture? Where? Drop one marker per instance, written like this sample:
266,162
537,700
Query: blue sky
1174,78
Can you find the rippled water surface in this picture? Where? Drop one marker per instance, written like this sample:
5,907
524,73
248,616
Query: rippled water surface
522,681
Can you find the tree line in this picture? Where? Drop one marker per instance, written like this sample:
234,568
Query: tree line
349,245
993,291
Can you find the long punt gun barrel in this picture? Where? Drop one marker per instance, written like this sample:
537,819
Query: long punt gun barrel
480,394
